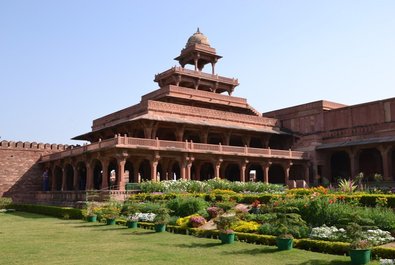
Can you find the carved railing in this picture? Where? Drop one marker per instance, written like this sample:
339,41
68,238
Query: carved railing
192,73
177,146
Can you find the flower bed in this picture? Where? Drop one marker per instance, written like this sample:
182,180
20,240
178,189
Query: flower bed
193,186
374,236
338,248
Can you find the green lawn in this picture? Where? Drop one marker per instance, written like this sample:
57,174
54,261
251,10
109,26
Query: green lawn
35,239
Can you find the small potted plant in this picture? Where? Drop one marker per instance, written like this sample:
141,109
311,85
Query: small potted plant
197,220
162,218
90,213
224,223
131,210
110,211
286,222
360,252
284,240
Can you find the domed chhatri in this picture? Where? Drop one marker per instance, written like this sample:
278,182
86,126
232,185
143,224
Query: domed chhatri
197,38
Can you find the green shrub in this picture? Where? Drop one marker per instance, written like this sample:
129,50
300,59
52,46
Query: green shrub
284,220
245,226
186,206
328,247
225,205
149,207
60,212
256,239
384,253
173,220
5,202
194,186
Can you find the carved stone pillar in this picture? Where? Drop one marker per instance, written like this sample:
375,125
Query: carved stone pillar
188,168
154,165
76,178
105,175
354,162
287,167
89,177
307,174
217,168
121,173
243,167
184,169
204,136
64,180
384,151
265,169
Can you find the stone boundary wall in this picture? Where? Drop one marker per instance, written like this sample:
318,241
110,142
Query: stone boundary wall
32,145
20,172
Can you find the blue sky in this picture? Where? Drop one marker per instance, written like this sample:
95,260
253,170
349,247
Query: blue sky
65,63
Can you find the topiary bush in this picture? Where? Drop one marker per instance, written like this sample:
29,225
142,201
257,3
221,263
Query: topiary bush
186,206
5,202
60,212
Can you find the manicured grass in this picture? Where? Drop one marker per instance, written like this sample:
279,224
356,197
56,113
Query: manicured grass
35,239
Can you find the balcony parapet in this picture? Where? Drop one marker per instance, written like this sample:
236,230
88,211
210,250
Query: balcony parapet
175,146
196,74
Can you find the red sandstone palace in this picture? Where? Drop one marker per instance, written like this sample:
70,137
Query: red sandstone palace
192,128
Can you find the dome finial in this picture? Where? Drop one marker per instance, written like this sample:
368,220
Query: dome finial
197,38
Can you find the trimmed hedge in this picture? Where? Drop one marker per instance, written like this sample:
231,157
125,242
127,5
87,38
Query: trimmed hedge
256,239
322,246
384,253
337,248
60,212
364,199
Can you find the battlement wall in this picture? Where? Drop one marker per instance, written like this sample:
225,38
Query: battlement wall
20,172
32,146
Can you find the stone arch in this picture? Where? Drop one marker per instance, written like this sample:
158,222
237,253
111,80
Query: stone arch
69,175
191,136
81,175
206,171
279,142
166,134
112,170
161,171
193,170
370,162
214,138
58,175
50,180
138,133
145,170
258,172
340,166
175,170
392,163
297,172
236,140
129,171
276,142
255,142
97,174
276,174
232,172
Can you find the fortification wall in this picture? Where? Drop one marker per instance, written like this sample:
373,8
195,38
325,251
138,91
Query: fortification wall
19,171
